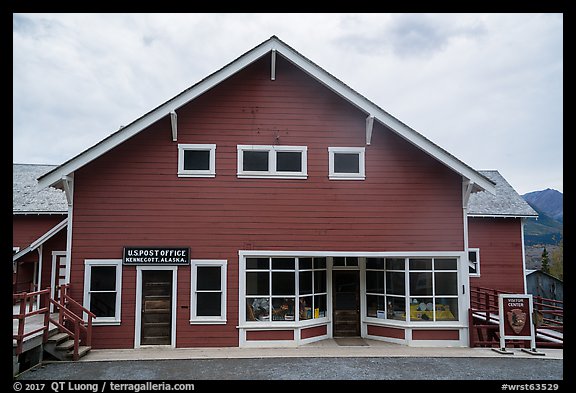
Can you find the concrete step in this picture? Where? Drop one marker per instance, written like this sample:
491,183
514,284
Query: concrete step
82,351
58,338
65,346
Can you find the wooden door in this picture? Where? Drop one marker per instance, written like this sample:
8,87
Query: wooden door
156,321
346,303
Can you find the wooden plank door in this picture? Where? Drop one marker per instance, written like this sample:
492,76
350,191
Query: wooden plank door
156,321
346,303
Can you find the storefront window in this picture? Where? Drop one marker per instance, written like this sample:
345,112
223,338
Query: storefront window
271,285
432,293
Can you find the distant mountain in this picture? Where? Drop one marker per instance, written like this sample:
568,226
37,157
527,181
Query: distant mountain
549,227
548,201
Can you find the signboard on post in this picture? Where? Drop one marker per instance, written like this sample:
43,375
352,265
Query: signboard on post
516,311
156,256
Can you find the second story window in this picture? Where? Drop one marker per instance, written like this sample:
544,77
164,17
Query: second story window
280,162
196,160
346,163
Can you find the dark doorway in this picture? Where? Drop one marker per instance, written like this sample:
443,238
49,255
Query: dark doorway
156,307
346,303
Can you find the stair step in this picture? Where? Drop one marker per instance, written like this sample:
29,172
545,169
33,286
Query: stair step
58,338
65,346
82,351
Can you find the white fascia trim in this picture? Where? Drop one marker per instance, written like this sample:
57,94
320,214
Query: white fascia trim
217,77
368,254
41,240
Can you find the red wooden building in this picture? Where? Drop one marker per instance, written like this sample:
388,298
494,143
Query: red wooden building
270,204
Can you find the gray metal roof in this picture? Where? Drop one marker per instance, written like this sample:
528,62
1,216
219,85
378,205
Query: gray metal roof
505,203
28,198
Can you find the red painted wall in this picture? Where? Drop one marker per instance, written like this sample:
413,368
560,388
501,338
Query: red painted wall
500,244
132,195
25,230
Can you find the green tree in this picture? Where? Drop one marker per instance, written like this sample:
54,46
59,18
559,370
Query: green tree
557,261
545,261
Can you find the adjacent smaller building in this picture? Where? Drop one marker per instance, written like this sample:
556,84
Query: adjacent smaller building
39,219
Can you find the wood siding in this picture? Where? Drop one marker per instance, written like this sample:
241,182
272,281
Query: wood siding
132,195
386,332
500,244
264,335
433,334
313,332
28,228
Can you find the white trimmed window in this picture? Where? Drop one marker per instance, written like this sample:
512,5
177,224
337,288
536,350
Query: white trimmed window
346,163
208,302
279,162
474,262
103,289
196,160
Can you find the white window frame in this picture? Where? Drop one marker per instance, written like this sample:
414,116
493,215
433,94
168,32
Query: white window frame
211,172
195,319
361,175
117,263
471,264
272,172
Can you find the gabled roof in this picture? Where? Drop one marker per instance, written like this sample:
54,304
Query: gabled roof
504,203
29,198
53,178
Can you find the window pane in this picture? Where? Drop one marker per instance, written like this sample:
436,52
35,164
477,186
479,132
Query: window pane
320,263
257,283
351,261
375,281
339,261
257,263
374,263
395,284
258,309
445,264
445,283
446,309
420,283
305,283
375,306
283,309
320,306
103,304
420,264
472,256
421,309
208,304
255,160
396,308
346,163
305,263
283,283
306,311
198,160
320,281
103,278
283,263
395,264
208,278
289,161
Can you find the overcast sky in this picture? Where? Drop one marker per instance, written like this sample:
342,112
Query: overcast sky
485,87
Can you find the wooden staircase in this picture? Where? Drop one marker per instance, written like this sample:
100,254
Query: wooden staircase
73,337
61,346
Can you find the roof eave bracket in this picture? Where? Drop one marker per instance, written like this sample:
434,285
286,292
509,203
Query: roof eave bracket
174,124
369,127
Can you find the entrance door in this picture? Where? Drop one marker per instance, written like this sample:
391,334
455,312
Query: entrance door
59,263
156,321
346,303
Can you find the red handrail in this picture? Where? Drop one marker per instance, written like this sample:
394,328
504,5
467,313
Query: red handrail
65,314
